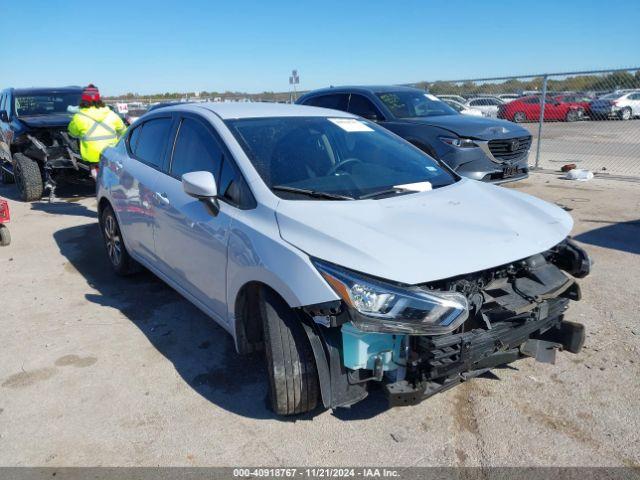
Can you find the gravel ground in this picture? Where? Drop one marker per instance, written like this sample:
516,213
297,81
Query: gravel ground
96,370
606,146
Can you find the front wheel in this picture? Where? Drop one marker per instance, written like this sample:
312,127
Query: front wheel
293,378
28,178
120,260
572,116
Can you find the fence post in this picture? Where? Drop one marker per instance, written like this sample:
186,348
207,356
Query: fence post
543,102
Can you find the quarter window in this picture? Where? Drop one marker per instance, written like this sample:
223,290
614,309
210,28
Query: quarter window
150,140
195,150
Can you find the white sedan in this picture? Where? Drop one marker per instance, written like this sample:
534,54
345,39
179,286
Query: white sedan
487,105
463,109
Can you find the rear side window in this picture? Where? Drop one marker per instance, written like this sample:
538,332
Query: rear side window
338,101
150,140
195,150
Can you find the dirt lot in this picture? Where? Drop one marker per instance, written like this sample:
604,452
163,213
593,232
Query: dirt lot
96,370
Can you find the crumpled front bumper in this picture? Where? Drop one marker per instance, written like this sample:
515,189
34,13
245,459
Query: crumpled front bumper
447,360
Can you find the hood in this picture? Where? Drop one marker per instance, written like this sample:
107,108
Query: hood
462,228
481,128
46,121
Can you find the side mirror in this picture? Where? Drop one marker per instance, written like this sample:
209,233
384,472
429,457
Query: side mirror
4,116
371,116
202,185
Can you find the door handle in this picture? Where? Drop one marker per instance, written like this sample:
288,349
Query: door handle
162,197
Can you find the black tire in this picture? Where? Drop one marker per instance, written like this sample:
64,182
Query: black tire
5,236
519,117
625,114
293,378
5,177
119,258
572,116
28,178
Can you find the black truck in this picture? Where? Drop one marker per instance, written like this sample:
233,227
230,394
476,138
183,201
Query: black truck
36,151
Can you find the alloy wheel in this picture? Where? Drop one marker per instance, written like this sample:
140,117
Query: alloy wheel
113,240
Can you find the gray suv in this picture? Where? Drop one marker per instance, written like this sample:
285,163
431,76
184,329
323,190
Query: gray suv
486,149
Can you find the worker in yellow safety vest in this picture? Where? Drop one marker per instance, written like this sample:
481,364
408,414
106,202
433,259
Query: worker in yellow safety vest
95,126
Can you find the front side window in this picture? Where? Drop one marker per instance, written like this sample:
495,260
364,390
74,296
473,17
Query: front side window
195,150
362,106
412,104
343,157
150,139
45,104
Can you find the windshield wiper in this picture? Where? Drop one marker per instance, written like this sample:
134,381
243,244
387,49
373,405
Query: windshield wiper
311,193
388,191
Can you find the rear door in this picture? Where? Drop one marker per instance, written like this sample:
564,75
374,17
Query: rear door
191,242
134,196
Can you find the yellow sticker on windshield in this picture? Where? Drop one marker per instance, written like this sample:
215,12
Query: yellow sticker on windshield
351,125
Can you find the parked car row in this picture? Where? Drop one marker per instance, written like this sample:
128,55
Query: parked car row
623,105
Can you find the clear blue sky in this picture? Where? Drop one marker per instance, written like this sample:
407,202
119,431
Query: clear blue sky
155,46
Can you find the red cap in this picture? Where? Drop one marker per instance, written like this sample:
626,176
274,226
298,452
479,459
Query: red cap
90,93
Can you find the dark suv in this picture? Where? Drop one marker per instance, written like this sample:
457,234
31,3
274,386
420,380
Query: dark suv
480,148
35,149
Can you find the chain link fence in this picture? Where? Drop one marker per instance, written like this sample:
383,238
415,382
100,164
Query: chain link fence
590,119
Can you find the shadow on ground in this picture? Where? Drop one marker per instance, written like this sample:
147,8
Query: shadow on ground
202,352
65,203
623,236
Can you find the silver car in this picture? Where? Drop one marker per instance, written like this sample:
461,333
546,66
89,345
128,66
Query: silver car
346,254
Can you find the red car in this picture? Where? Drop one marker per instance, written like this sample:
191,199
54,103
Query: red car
579,100
528,109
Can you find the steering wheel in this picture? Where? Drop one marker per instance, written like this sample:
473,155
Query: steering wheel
338,166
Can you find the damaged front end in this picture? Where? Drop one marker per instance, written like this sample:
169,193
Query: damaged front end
56,153
420,340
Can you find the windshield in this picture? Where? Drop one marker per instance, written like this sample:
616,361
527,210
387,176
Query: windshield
414,104
45,104
458,107
611,95
341,157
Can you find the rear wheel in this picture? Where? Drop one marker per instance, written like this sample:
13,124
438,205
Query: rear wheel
625,114
120,260
519,117
293,378
28,178
5,236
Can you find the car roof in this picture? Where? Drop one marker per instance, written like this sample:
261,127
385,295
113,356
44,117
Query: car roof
365,88
257,110
45,90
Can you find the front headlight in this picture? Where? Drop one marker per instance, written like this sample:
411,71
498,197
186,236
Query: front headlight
379,306
459,142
